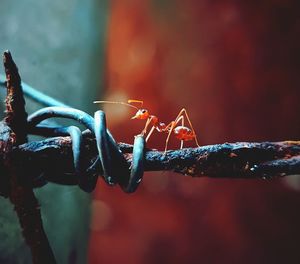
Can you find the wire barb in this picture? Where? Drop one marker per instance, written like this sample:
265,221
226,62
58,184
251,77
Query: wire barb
19,190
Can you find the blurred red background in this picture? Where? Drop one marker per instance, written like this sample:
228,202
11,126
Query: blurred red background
235,67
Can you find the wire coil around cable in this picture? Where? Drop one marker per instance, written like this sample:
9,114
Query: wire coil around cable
109,153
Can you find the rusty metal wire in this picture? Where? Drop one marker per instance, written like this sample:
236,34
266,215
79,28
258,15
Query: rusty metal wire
230,160
16,183
109,151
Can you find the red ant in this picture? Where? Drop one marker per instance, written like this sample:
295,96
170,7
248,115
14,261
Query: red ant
181,132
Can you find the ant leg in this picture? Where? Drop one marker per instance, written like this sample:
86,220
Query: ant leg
180,117
183,111
144,131
150,132
181,141
174,123
166,129
177,120
181,144
172,126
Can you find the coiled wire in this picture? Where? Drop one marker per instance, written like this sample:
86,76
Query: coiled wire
110,161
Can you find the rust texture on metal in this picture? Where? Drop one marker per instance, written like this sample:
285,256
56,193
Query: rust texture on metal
80,157
13,132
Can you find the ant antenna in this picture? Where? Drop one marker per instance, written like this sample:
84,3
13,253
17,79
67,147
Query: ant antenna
112,102
130,101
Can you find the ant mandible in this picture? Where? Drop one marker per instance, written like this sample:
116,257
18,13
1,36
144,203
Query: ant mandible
181,132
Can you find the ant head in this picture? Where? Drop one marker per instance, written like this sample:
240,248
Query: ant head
141,114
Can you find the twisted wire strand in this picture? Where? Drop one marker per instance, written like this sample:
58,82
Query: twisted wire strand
109,152
35,95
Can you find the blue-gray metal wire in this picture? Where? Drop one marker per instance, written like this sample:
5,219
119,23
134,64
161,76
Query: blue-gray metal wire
110,162
35,94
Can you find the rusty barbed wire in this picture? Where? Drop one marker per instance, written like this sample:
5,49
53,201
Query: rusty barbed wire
94,153
14,130
231,160
109,152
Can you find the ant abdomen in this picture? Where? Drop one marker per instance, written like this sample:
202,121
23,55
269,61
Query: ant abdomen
183,133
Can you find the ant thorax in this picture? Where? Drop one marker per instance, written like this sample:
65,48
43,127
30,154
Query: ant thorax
160,127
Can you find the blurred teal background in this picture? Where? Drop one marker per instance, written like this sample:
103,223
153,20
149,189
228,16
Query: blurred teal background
59,49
